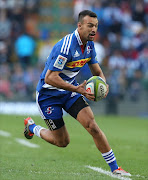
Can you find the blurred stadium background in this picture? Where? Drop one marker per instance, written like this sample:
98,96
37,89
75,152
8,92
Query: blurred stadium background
30,28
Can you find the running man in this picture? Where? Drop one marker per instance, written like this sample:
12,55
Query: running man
57,89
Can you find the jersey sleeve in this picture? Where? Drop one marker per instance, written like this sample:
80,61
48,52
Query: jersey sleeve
60,54
93,55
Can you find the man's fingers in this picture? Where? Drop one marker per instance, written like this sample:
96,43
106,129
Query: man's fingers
84,83
90,96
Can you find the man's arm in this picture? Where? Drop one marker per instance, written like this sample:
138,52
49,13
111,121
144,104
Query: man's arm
97,71
53,78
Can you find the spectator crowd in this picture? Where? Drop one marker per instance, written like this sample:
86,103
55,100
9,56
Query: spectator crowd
121,45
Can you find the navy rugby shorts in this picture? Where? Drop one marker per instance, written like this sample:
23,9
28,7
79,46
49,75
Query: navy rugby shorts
51,107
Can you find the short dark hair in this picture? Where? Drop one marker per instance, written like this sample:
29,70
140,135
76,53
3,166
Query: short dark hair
84,13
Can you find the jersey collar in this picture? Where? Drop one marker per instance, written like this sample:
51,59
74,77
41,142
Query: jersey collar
78,37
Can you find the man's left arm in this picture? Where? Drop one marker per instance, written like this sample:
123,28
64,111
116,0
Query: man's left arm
97,71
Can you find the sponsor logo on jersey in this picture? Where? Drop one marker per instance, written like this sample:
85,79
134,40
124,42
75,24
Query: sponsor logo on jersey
60,62
79,63
76,54
49,110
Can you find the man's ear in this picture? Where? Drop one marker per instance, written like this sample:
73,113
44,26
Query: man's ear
79,25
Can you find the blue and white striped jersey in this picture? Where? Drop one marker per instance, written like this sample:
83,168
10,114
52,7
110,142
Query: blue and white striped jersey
67,57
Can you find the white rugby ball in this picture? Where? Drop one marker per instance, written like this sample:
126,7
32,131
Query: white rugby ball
97,86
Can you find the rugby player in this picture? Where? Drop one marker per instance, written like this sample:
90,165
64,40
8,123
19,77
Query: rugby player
57,89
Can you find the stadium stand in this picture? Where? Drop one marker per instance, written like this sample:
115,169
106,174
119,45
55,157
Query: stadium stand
122,40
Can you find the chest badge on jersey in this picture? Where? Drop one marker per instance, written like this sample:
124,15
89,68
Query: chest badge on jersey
88,49
60,62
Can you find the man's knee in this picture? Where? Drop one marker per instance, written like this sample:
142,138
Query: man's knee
63,143
93,128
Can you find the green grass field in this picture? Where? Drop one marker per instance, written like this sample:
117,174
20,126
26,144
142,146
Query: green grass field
128,137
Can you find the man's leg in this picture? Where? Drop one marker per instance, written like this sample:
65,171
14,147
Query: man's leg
58,136
86,118
81,111
52,114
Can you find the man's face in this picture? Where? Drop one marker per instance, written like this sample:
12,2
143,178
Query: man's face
88,28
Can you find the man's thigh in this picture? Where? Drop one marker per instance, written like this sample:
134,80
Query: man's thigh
51,113
85,116
60,134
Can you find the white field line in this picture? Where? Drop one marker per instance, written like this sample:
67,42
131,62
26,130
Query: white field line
108,173
4,133
26,143
20,141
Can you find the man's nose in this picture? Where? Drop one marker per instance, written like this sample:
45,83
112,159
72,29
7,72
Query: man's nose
94,28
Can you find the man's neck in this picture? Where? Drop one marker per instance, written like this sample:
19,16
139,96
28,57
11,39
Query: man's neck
83,41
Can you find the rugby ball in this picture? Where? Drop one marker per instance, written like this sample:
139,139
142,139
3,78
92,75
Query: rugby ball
97,86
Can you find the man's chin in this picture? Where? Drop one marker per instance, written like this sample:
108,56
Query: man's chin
91,38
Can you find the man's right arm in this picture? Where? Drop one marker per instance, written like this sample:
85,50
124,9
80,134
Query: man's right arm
53,78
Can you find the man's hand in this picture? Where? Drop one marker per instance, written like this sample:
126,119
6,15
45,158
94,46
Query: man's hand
81,89
107,90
